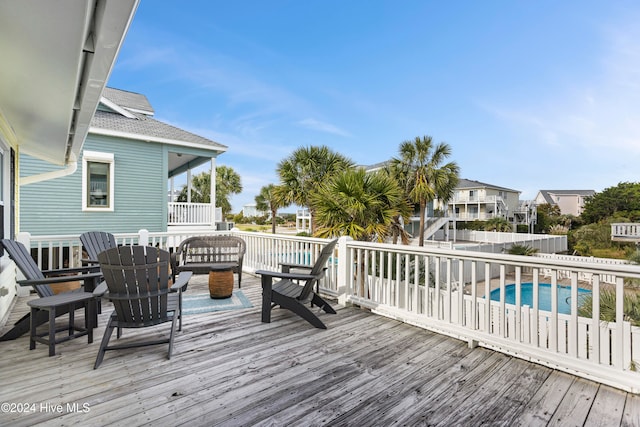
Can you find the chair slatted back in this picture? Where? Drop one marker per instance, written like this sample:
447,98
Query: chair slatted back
138,281
318,267
212,249
26,264
95,242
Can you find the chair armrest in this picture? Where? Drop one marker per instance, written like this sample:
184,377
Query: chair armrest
61,271
286,266
181,280
58,279
101,289
283,275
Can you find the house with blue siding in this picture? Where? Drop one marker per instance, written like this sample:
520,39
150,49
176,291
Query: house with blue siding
119,181
56,61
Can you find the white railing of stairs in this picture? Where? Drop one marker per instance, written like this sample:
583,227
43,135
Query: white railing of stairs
449,292
432,226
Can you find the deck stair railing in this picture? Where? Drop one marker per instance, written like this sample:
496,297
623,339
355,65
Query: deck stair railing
463,294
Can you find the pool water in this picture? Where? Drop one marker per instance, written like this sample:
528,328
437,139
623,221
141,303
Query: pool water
544,296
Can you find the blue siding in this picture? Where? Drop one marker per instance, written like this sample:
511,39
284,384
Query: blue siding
55,206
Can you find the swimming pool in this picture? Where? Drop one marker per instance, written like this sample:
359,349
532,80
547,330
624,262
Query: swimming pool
544,296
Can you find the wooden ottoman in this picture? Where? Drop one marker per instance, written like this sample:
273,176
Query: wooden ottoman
221,280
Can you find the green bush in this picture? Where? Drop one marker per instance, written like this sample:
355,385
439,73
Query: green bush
630,304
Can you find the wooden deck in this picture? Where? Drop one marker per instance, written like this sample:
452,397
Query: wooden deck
228,368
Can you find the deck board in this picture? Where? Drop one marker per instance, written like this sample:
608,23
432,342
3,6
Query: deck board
228,368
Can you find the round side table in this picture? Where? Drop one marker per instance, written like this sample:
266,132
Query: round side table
221,280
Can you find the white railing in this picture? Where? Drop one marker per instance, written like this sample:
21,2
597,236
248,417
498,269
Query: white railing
184,213
557,243
584,275
629,232
449,292
465,198
470,216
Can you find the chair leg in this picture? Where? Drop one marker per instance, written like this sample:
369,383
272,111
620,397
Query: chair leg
105,341
89,321
301,310
173,329
317,300
179,311
52,329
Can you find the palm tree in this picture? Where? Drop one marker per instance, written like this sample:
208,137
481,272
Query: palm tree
425,178
305,170
630,306
270,198
526,250
228,182
498,224
360,205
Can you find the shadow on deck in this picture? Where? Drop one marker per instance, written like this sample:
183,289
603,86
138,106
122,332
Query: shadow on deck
228,368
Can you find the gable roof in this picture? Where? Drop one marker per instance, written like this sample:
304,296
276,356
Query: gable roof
468,183
547,194
128,115
147,129
136,102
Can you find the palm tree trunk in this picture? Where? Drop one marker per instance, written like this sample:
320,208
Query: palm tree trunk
423,208
273,221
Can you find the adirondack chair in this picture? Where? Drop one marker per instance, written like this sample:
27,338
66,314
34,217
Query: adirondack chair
41,281
290,294
137,279
95,242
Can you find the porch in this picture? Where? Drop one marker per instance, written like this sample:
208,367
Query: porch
625,232
228,368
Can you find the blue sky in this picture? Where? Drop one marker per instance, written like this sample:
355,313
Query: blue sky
529,95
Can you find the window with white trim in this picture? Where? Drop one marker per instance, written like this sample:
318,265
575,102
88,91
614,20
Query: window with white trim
97,181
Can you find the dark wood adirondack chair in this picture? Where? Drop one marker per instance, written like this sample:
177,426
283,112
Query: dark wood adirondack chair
137,278
290,294
95,242
41,281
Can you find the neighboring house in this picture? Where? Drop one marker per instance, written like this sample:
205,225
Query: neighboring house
56,60
471,201
250,210
570,202
475,200
120,181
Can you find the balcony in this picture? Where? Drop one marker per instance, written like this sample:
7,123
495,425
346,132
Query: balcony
397,351
193,214
625,232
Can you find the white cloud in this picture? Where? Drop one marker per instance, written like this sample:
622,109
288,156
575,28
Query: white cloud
322,127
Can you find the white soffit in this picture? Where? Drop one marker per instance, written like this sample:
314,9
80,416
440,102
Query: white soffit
56,59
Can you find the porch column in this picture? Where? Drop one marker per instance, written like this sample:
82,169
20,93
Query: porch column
189,185
212,196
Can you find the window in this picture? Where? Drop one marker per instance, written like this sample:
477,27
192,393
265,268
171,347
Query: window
97,181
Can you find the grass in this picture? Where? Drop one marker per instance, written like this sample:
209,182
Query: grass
254,227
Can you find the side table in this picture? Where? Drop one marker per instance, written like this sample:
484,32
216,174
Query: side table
50,304
221,280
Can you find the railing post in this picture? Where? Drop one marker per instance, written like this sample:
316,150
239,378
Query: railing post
343,270
143,237
23,237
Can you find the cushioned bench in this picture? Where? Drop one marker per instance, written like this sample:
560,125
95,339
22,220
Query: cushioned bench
198,254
